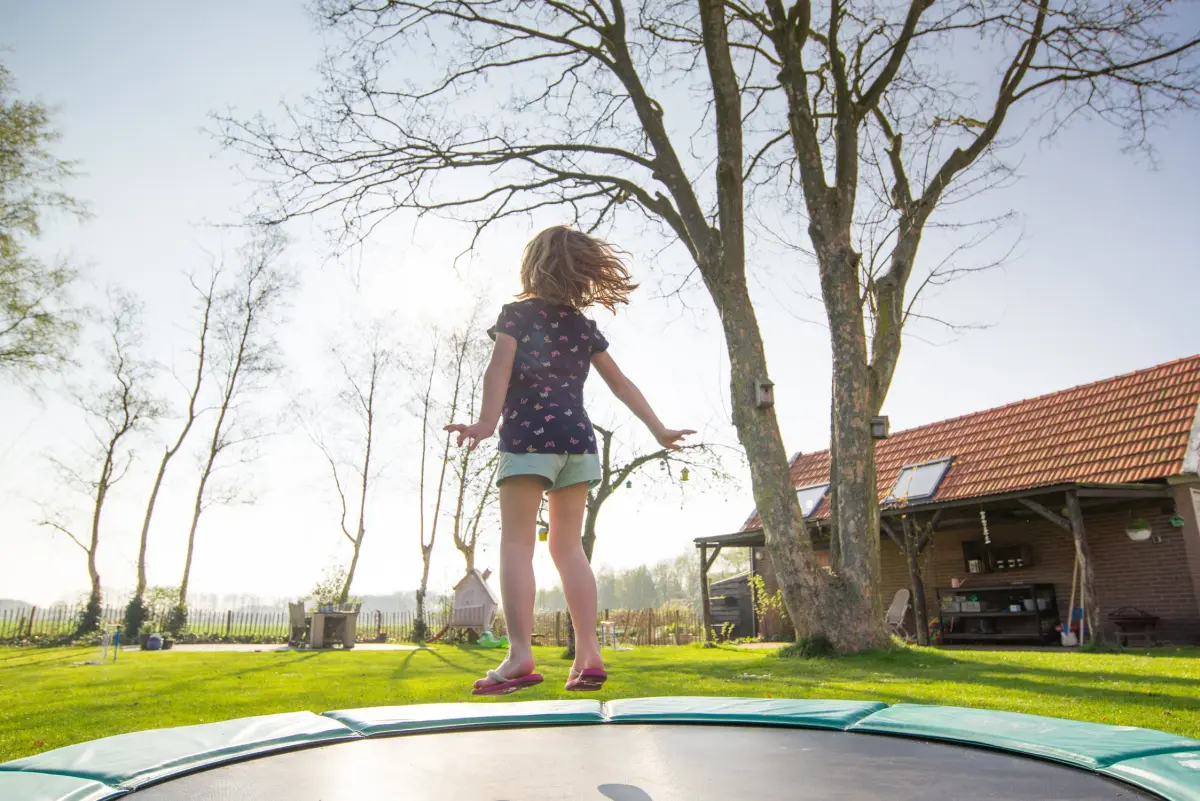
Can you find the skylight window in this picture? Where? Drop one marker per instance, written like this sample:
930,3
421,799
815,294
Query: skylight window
810,498
918,482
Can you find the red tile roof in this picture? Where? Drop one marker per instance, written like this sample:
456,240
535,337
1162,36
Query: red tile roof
1131,428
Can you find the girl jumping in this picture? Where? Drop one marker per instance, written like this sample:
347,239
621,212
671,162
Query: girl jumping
533,388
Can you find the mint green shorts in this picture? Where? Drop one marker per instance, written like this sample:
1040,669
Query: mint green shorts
558,469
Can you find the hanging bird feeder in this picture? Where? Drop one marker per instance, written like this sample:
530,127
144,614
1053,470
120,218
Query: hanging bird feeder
683,476
543,533
628,485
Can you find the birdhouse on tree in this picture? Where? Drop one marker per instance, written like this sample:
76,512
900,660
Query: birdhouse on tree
474,603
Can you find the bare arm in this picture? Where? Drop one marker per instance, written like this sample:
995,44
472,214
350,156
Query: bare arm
495,387
628,393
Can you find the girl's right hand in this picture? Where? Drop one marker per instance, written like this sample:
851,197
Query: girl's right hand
670,438
472,434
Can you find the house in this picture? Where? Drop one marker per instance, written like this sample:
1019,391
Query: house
998,490
474,606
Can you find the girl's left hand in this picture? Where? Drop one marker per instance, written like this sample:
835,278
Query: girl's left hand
472,434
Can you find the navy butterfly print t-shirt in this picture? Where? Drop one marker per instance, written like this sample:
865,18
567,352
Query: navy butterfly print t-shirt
543,410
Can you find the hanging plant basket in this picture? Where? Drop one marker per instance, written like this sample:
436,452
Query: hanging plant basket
1139,530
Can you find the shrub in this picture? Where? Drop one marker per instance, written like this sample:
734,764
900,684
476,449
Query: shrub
815,647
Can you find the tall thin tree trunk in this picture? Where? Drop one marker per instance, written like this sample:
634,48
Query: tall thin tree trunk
91,617
197,508
344,595
912,556
136,604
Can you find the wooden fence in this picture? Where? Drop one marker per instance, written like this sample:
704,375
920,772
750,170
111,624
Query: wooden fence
205,625
667,626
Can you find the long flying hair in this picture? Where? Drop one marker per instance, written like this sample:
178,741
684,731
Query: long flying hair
567,267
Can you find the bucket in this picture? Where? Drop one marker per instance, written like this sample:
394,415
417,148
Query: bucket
1029,604
1043,604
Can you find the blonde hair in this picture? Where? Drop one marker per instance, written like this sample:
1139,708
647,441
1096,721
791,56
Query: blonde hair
570,268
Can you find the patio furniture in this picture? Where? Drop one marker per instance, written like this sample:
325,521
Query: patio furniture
1132,623
298,637
894,619
329,628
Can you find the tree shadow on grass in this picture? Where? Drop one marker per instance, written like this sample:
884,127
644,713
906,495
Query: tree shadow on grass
476,655
71,656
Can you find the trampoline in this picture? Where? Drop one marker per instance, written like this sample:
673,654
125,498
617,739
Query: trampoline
649,749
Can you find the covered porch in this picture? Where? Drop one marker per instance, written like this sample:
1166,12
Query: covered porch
1002,544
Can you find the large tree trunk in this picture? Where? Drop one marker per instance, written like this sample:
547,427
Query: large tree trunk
806,590
856,513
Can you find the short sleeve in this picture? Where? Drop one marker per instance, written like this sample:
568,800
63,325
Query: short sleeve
599,343
509,322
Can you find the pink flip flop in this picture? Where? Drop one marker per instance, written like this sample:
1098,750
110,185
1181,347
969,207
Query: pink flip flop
586,680
505,686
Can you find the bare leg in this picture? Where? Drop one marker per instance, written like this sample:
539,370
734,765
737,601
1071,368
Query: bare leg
578,582
520,497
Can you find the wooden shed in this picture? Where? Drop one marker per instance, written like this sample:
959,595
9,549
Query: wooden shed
733,604
474,603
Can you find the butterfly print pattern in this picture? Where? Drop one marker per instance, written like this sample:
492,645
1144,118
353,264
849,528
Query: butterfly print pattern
544,410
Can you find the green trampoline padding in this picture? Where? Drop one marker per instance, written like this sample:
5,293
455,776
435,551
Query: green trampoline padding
427,717
1174,776
809,714
1165,764
130,760
1086,745
48,787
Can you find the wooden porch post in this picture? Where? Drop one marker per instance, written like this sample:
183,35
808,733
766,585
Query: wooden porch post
1087,592
705,601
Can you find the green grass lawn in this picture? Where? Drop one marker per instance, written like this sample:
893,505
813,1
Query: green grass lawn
50,701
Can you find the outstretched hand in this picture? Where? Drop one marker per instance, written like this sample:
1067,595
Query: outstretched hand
472,434
671,439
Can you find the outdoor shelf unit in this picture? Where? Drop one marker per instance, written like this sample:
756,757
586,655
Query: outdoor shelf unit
994,621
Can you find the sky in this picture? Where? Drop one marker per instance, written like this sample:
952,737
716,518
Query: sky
1104,280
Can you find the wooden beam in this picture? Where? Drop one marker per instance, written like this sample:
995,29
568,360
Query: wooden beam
888,530
1087,592
1045,512
705,601
708,565
1130,493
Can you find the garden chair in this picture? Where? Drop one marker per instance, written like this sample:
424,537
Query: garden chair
299,625
896,613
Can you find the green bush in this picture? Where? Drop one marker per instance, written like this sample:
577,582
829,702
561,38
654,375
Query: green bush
816,647
135,617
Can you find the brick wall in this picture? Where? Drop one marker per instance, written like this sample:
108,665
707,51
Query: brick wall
1152,576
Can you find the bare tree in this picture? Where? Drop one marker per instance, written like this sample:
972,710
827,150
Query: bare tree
616,474
365,380
116,412
578,128
246,357
553,105
136,610
474,469
912,540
